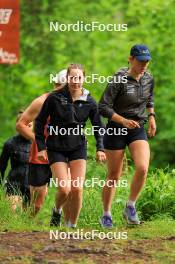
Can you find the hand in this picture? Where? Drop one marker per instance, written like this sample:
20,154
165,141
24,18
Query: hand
151,126
42,155
131,124
100,156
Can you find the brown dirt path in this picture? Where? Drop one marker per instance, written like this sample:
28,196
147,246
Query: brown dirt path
36,247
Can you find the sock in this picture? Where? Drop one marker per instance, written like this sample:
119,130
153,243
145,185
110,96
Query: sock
106,213
131,203
69,224
66,223
59,211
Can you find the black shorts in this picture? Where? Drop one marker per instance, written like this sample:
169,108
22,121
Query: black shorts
39,174
13,188
116,142
67,156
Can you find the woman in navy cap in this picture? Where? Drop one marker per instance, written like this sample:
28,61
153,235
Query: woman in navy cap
124,104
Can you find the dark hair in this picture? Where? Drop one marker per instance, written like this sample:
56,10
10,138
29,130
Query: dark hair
75,66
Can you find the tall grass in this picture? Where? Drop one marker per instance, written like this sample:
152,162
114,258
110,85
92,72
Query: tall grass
158,196
156,200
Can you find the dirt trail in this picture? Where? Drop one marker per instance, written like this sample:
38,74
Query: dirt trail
36,247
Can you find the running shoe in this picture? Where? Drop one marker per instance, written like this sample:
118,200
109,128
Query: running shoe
131,216
106,221
55,218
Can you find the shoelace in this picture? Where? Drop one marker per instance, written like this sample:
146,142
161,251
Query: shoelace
108,220
132,210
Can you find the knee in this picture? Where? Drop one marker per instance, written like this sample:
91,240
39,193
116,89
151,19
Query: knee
112,179
76,190
114,175
142,170
65,191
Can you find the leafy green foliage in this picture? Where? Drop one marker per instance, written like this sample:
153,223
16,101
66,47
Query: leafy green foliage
158,195
43,52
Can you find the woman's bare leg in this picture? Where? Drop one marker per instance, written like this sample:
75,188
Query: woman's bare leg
114,164
60,173
140,153
78,171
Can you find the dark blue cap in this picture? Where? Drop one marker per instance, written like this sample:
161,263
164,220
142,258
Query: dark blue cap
140,52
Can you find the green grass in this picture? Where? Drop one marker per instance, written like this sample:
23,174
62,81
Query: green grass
163,227
156,206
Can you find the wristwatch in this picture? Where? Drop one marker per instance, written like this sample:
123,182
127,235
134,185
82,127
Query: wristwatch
151,114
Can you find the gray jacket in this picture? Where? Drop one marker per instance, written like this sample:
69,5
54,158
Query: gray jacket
129,99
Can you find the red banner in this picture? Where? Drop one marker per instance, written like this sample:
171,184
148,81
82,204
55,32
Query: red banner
9,31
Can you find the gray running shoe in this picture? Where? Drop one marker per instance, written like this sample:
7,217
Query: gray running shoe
106,221
131,216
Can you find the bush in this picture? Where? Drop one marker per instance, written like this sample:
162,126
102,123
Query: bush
158,195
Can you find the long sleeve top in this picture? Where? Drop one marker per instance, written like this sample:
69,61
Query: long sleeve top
64,113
